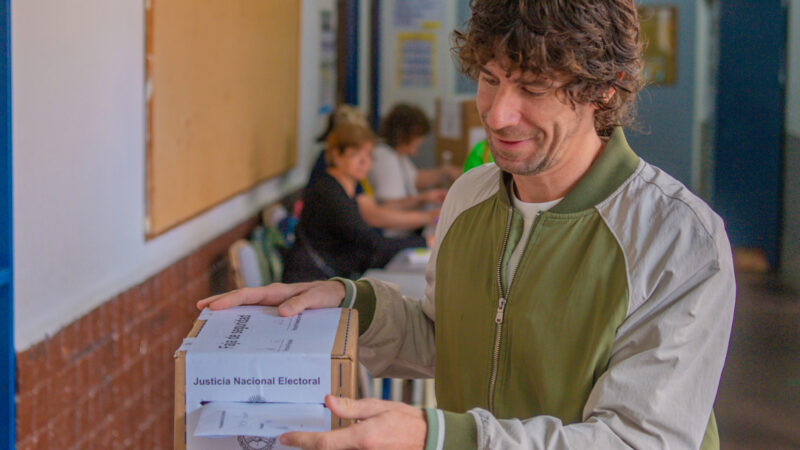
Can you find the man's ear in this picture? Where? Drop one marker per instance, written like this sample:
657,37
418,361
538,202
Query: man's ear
609,93
604,97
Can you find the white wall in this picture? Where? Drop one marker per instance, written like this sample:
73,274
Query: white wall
79,161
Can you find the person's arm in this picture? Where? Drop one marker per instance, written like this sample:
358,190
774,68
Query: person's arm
660,385
436,176
382,217
433,196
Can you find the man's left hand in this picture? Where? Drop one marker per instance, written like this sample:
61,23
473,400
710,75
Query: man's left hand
382,424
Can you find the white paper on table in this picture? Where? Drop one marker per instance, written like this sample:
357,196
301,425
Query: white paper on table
410,260
267,420
450,119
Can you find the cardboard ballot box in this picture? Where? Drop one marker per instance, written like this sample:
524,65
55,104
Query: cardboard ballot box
246,372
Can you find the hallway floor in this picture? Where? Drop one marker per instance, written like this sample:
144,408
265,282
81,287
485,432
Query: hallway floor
758,403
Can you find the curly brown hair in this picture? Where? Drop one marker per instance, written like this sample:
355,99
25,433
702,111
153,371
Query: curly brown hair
403,123
593,44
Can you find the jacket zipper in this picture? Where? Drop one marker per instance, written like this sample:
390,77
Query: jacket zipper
501,304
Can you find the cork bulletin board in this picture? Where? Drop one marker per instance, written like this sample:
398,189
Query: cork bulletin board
221,101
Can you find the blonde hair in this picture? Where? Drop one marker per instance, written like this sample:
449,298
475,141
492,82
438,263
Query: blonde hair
343,114
346,135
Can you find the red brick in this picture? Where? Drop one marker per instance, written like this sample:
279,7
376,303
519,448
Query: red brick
106,359
104,325
62,433
82,378
129,348
86,337
121,428
31,368
24,409
148,294
54,360
70,341
169,281
100,404
181,272
196,265
117,310
84,423
26,443
115,355
61,392
43,438
106,438
99,323
40,408
129,301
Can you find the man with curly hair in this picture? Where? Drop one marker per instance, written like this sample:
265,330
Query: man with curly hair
577,297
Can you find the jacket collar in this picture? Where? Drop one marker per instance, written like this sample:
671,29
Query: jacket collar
615,164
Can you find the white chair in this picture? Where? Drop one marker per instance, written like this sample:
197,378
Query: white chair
244,263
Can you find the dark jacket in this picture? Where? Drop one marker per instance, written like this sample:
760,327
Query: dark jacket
333,239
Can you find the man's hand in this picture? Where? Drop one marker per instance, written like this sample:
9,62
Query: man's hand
292,298
382,424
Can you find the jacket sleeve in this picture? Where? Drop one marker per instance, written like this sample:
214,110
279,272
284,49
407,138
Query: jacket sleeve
660,385
396,332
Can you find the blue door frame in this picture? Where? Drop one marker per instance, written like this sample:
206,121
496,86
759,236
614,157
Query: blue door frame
748,182
7,379
351,31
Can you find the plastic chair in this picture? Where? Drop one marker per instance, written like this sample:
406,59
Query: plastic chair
244,263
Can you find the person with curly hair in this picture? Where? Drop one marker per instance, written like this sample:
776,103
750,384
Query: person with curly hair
577,296
395,179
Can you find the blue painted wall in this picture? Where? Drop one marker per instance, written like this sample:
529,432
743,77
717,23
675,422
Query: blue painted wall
666,113
748,181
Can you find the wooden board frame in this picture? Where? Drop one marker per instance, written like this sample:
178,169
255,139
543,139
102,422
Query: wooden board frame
222,89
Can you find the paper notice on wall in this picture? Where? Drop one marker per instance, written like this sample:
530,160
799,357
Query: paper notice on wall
327,60
415,59
450,119
260,419
413,14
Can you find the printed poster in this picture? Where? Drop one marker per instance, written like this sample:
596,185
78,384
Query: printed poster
416,56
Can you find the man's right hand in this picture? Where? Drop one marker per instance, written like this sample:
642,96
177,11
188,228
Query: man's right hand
291,299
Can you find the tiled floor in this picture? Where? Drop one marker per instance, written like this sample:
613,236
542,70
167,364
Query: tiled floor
758,403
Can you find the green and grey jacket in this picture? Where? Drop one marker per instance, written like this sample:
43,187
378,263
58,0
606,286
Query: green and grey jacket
612,334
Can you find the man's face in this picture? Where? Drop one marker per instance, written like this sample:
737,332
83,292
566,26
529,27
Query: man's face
529,125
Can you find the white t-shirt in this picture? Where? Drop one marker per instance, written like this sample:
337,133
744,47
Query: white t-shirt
528,211
392,176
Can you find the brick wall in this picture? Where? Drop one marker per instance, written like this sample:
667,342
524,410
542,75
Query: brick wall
106,380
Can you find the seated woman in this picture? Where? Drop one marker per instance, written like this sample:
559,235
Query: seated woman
332,238
394,177
374,214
